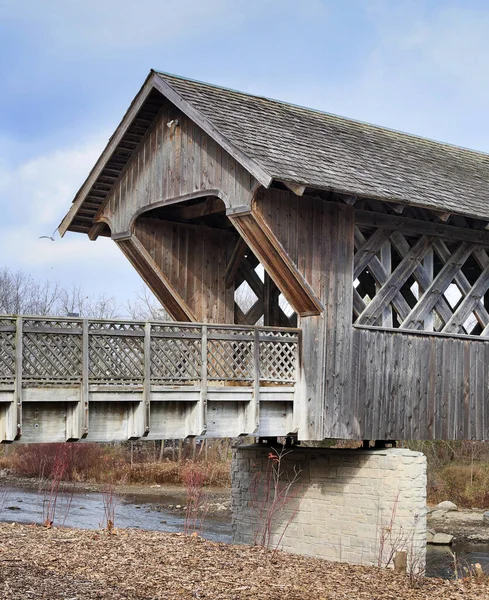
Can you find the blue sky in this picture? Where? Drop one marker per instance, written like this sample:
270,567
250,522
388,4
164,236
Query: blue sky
69,69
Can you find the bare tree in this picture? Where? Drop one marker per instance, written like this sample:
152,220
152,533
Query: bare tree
74,301
21,294
146,307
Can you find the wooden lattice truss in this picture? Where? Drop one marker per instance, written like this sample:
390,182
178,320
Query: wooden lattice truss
420,282
265,309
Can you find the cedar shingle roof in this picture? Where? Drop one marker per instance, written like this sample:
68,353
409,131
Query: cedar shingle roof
281,141
321,150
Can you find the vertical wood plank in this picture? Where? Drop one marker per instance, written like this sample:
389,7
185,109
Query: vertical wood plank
18,376
203,384
147,378
85,377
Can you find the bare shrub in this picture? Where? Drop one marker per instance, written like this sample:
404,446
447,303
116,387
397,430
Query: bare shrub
194,476
276,497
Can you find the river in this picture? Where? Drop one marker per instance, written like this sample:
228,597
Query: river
85,510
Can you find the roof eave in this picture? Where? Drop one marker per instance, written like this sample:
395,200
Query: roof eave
154,81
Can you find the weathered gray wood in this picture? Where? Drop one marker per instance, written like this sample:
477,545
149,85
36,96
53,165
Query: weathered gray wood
384,221
147,378
369,249
18,376
424,277
374,310
381,275
419,385
235,261
203,383
85,376
469,303
438,286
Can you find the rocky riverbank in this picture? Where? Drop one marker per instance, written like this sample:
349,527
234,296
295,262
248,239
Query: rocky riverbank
38,563
461,525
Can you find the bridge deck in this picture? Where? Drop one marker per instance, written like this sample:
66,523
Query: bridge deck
68,379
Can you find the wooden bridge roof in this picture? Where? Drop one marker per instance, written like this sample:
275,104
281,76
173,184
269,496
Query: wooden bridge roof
280,141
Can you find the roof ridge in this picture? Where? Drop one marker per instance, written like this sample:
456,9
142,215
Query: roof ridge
382,128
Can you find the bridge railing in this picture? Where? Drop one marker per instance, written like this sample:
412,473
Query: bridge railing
51,351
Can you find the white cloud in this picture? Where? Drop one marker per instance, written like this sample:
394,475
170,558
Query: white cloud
34,196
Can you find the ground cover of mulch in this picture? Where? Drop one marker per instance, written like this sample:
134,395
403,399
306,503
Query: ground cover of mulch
72,564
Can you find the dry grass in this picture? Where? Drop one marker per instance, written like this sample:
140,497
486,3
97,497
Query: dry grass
38,564
457,471
105,463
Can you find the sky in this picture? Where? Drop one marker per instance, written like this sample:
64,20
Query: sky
70,68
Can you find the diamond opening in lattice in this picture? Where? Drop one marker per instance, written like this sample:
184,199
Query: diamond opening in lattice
453,295
366,285
260,271
471,324
285,306
245,297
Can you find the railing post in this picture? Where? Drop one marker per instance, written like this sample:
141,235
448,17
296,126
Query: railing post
18,378
203,384
85,378
256,383
147,377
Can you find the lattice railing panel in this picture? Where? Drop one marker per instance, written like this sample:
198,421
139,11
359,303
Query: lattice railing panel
175,360
71,351
116,359
420,282
7,351
277,361
51,357
231,360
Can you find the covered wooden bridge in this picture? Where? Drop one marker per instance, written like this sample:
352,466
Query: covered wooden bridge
364,252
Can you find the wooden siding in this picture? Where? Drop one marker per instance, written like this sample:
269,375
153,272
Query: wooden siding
318,238
172,163
419,386
193,260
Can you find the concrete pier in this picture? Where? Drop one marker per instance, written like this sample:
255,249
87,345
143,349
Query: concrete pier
356,506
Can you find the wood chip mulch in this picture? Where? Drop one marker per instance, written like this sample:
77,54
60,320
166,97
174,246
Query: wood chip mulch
72,564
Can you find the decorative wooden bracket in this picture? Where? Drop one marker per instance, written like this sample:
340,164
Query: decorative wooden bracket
156,280
276,262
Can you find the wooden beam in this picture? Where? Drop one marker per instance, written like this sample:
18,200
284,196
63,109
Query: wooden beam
381,275
373,311
404,224
95,231
423,276
397,208
443,216
480,312
251,277
273,257
156,280
211,206
469,303
297,188
369,248
438,287
235,261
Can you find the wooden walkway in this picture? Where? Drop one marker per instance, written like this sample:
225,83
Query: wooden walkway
67,379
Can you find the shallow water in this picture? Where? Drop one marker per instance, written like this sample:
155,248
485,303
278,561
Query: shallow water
86,511
440,561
